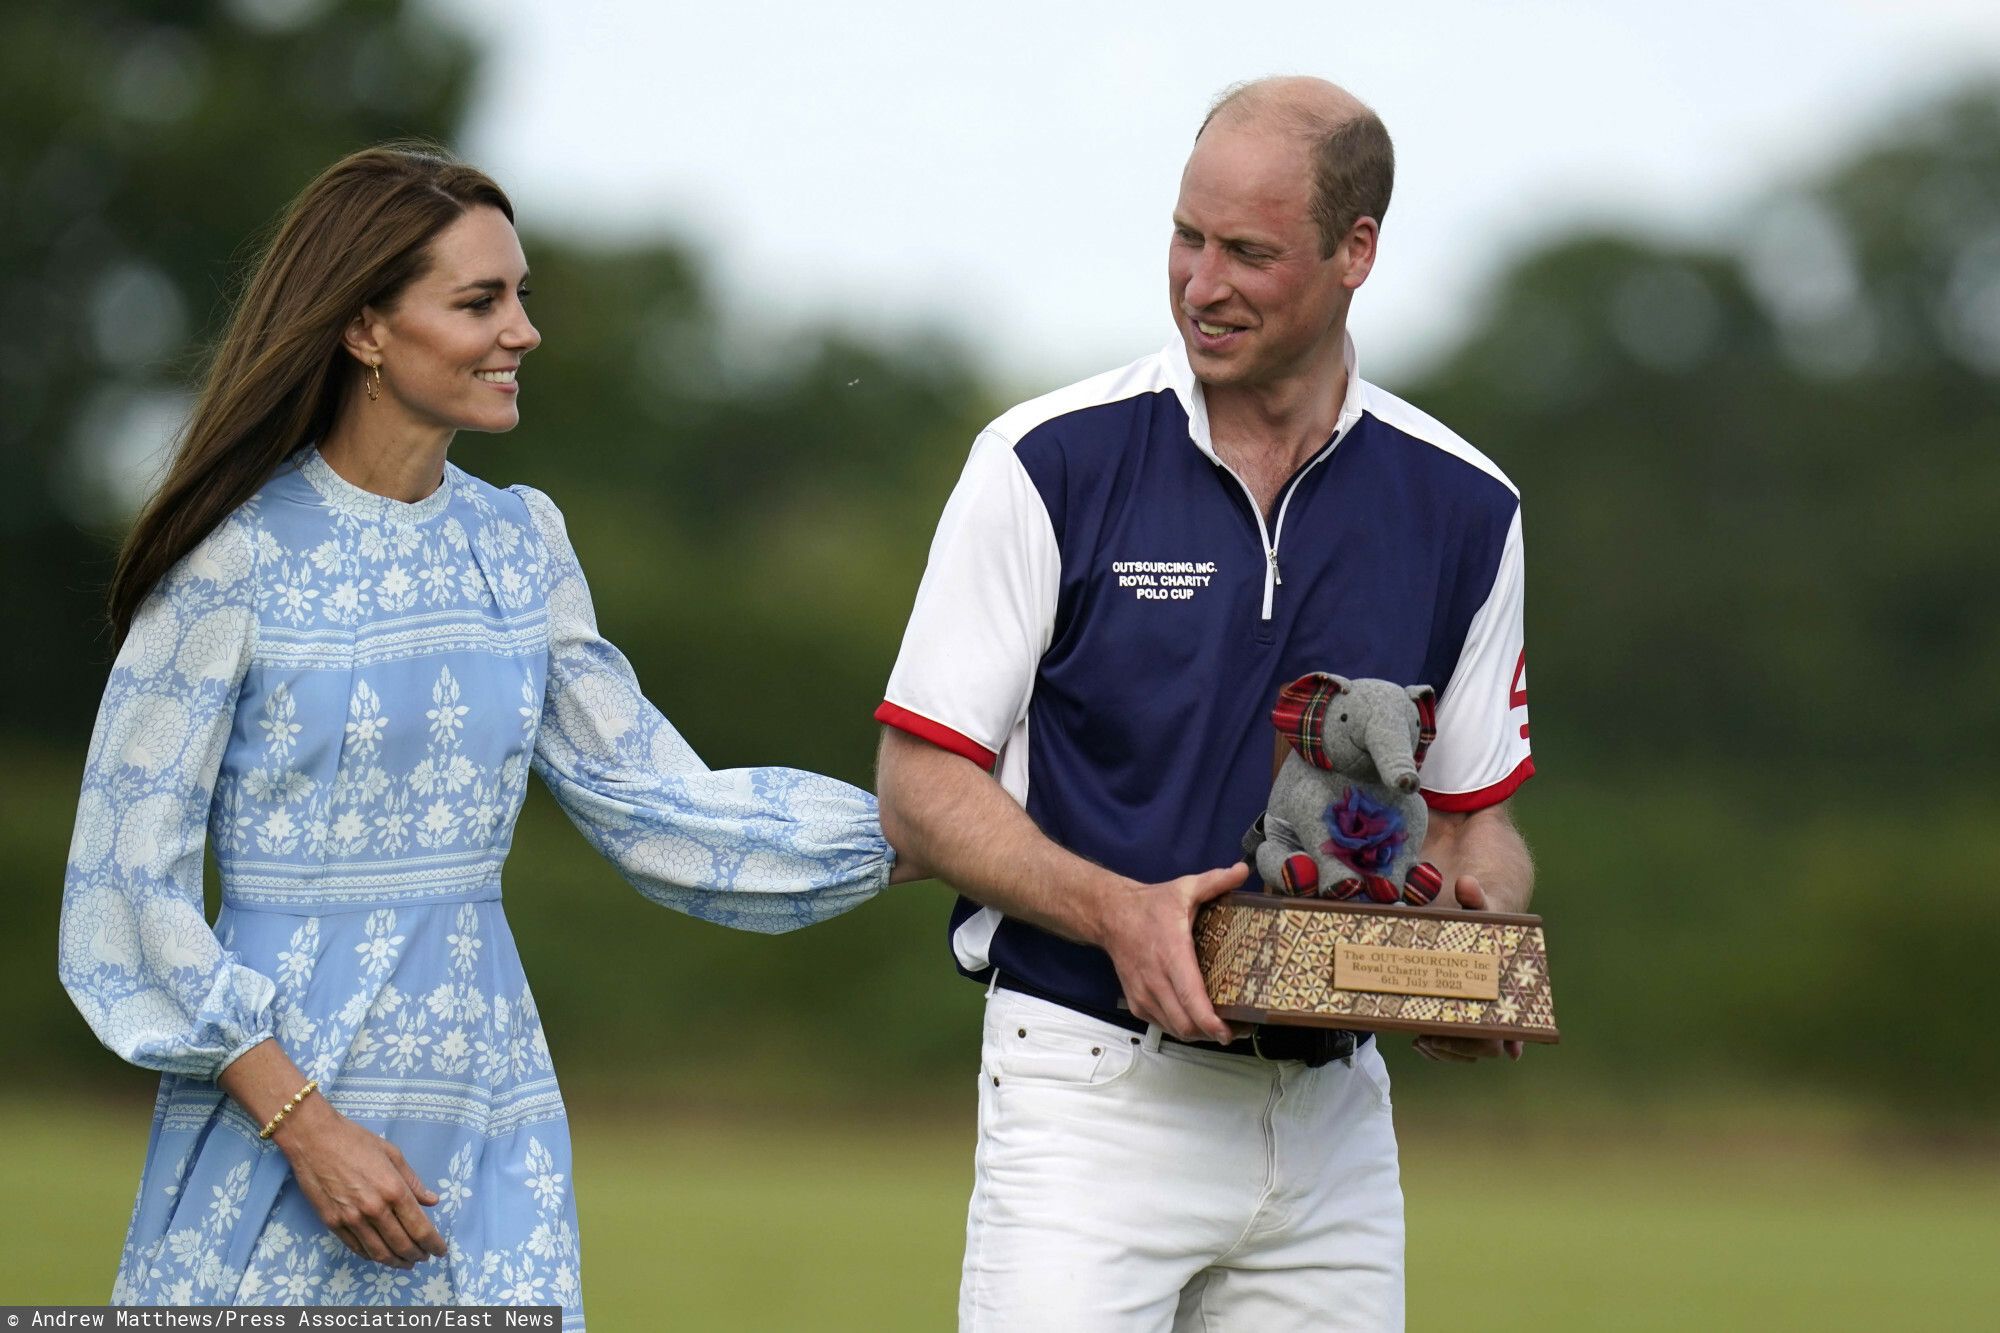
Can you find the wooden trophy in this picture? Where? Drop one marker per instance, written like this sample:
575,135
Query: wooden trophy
1268,958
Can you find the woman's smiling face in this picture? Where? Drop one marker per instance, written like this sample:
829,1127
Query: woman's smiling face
451,344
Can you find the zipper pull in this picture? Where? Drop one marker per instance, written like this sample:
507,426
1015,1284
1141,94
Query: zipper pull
1277,579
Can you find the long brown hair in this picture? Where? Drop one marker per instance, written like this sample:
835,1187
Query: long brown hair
356,237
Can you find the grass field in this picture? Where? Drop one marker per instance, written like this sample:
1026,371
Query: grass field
695,1223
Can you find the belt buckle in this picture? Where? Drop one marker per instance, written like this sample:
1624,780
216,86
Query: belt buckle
1326,1046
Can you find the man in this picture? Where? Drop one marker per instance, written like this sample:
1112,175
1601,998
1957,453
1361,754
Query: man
1127,573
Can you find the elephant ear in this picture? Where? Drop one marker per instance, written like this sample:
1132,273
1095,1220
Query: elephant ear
1425,699
1301,712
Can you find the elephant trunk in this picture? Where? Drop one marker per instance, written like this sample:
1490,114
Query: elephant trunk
1390,746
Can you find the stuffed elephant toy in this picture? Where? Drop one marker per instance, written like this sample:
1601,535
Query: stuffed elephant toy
1345,818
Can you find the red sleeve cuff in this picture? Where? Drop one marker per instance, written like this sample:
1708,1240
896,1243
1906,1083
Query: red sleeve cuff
1464,802
936,733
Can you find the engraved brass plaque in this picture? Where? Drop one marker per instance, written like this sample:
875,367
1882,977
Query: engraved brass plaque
1268,959
1388,970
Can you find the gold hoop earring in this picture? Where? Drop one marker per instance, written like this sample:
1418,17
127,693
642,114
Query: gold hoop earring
373,381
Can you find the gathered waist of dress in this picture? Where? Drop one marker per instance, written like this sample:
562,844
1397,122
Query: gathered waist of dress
320,890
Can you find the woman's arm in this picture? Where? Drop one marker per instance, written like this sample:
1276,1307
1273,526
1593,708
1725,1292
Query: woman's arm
136,952
765,849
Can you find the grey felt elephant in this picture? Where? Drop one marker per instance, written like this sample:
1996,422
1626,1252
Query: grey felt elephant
1345,818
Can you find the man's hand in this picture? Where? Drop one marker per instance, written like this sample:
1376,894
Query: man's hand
1467,1050
945,813
1149,933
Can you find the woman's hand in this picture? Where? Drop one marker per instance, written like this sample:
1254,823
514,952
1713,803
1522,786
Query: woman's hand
359,1185
356,1181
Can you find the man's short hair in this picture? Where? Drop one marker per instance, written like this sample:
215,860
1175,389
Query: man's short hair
1354,163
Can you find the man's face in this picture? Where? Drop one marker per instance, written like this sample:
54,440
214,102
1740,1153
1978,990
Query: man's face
1255,303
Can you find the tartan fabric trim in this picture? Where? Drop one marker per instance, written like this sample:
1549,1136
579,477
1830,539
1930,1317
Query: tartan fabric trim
1421,884
1427,720
1381,888
1300,711
1302,705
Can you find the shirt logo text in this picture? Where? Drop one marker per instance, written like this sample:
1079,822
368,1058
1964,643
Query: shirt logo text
1163,580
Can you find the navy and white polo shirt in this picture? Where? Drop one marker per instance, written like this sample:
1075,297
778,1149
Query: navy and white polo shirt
1106,620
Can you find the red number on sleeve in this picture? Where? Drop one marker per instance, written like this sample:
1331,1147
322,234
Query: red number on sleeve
1517,692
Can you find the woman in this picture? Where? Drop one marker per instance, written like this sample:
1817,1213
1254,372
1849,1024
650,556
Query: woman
342,655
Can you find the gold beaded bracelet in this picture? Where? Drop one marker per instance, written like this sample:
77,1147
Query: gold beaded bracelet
312,1086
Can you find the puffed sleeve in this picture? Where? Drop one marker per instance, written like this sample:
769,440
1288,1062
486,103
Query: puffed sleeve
764,849
136,953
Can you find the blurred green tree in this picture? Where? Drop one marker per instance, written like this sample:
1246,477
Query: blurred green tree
1759,473
752,507
1758,476
147,145
1760,482
150,147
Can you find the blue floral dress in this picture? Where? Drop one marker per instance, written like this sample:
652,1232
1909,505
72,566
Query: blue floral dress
347,693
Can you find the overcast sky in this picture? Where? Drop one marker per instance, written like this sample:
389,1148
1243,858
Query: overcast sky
1007,170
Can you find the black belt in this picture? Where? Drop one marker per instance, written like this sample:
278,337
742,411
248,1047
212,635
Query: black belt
1267,1041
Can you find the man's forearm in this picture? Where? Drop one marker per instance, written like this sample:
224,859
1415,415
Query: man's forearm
943,811
950,815
1486,846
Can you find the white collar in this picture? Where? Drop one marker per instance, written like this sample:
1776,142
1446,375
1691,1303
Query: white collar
1180,375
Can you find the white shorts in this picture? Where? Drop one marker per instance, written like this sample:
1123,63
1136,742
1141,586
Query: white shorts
1129,1184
